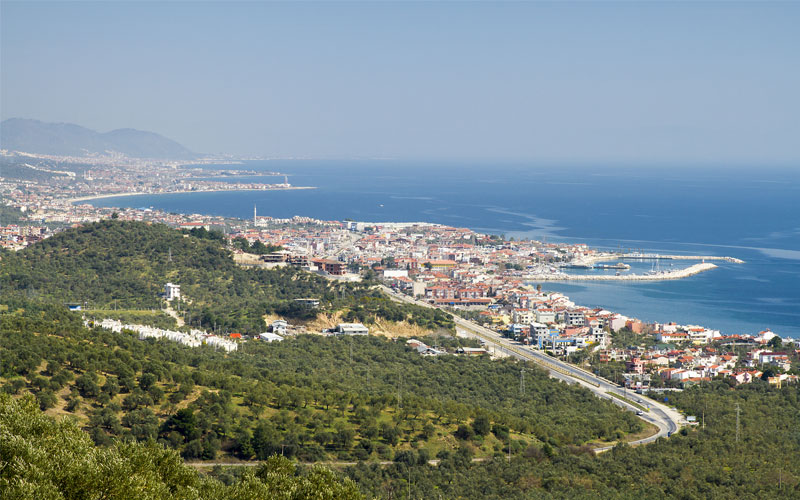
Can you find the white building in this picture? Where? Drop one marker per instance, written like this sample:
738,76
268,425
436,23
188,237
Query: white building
195,338
172,291
538,329
617,322
765,336
522,316
279,326
599,336
395,273
545,316
350,329
270,337
575,318
308,302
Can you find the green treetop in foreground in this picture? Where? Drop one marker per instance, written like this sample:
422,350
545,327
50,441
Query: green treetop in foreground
44,459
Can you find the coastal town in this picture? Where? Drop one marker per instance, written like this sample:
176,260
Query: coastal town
485,278
48,188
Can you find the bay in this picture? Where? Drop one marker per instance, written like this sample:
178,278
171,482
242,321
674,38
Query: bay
749,213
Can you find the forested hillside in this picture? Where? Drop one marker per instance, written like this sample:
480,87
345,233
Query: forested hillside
698,463
135,408
45,459
124,265
313,398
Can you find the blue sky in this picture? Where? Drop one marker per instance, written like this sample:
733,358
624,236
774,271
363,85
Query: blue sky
600,82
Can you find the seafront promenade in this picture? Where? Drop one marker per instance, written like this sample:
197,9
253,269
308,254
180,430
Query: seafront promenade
658,276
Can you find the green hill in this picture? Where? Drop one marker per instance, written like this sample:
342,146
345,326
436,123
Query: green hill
124,265
312,398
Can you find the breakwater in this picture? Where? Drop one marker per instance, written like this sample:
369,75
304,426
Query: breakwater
657,276
646,256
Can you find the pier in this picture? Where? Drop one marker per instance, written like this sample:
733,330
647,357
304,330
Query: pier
654,256
659,276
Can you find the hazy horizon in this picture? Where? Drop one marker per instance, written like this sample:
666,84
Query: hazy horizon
574,83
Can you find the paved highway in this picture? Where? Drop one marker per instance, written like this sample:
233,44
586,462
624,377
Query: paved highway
666,419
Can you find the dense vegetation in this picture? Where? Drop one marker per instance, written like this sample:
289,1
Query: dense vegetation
697,463
115,264
45,459
10,215
313,397
257,247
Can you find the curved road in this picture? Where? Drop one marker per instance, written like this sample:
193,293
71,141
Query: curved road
666,419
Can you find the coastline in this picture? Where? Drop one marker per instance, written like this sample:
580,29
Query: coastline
119,195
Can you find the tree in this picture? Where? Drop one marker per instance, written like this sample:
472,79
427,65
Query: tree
136,400
464,432
111,386
184,422
142,423
243,443
193,449
87,385
47,399
390,433
481,425
501,431
279,474
147,380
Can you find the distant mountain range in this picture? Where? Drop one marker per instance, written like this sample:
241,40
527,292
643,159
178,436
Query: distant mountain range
68,139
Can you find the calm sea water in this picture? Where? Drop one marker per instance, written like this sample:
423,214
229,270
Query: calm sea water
752,214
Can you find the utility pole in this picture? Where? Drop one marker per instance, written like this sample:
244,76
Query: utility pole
738,410
522,381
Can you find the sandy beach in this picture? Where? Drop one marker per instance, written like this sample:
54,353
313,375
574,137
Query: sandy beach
115,195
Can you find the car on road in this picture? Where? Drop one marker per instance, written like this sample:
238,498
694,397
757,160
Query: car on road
639,413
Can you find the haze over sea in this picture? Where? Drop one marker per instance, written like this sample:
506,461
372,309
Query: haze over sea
750,213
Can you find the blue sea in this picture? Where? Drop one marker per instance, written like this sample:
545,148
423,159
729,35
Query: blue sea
749,213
